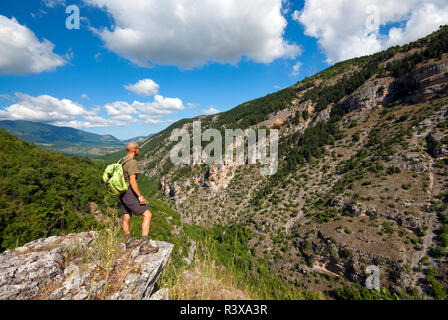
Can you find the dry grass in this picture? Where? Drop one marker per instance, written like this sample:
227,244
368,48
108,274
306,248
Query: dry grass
105,250
203,280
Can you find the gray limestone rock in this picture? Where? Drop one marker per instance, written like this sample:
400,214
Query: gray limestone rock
162,294
41,269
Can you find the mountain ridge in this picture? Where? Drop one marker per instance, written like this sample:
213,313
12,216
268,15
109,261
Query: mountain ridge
353,139
67,140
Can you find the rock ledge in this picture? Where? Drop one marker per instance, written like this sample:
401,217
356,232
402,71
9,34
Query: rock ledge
56,268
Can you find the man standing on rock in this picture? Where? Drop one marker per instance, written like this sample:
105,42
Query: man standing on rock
132,201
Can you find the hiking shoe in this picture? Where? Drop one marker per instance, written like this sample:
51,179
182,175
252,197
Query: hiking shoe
146,247
132,242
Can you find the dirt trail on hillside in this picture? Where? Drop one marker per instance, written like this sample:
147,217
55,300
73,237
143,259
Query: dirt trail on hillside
430,220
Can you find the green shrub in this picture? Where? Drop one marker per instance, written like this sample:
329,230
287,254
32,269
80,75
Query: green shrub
439,292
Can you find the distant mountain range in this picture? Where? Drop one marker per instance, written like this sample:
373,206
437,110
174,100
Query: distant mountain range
138,138
66,140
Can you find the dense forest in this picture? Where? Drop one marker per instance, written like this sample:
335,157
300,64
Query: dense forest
44,193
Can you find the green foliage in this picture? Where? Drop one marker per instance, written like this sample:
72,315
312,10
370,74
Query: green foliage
255,111
362,293
44,193
332,94
305,115
438,252
148,186
435,48
433,146
406,186
231,243
439,292
392,170
444,239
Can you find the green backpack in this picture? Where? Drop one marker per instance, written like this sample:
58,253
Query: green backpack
113,178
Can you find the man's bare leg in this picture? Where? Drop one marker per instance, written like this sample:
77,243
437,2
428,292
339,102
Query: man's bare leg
145,224
146,246
126,224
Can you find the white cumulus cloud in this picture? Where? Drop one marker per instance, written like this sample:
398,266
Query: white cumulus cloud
60,112
65,112
161,106
351,28
296,69
42,108
153,121
145,87
119,107
191,33
95,121
210,110
53,3
21,52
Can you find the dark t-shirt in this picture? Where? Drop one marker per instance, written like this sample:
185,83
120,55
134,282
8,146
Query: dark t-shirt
130,168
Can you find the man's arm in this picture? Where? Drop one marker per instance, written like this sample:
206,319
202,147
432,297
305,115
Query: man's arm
134,186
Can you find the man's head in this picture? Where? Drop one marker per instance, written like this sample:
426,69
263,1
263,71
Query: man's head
133,149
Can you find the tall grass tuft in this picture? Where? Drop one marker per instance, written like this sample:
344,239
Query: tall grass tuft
203,279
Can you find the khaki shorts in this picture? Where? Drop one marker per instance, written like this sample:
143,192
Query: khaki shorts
130,204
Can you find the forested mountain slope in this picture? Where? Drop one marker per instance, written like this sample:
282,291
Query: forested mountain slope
44,193
66,140
362,175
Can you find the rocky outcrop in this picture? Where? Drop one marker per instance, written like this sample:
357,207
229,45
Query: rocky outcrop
188,260
421,84
162,294
58,268
434,146
333,256
413,161
174,191
218,177
370,94
322,116
164,187
354,209
424,82
95,211
430,79
409,222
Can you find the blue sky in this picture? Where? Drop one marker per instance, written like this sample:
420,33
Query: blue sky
86,70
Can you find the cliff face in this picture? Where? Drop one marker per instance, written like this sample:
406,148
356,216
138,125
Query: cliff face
58,268
423,83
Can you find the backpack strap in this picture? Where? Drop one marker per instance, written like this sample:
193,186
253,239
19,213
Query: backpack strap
122,163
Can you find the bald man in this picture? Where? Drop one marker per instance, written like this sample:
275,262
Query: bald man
132,201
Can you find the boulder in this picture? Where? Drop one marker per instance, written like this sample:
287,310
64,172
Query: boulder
52,268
